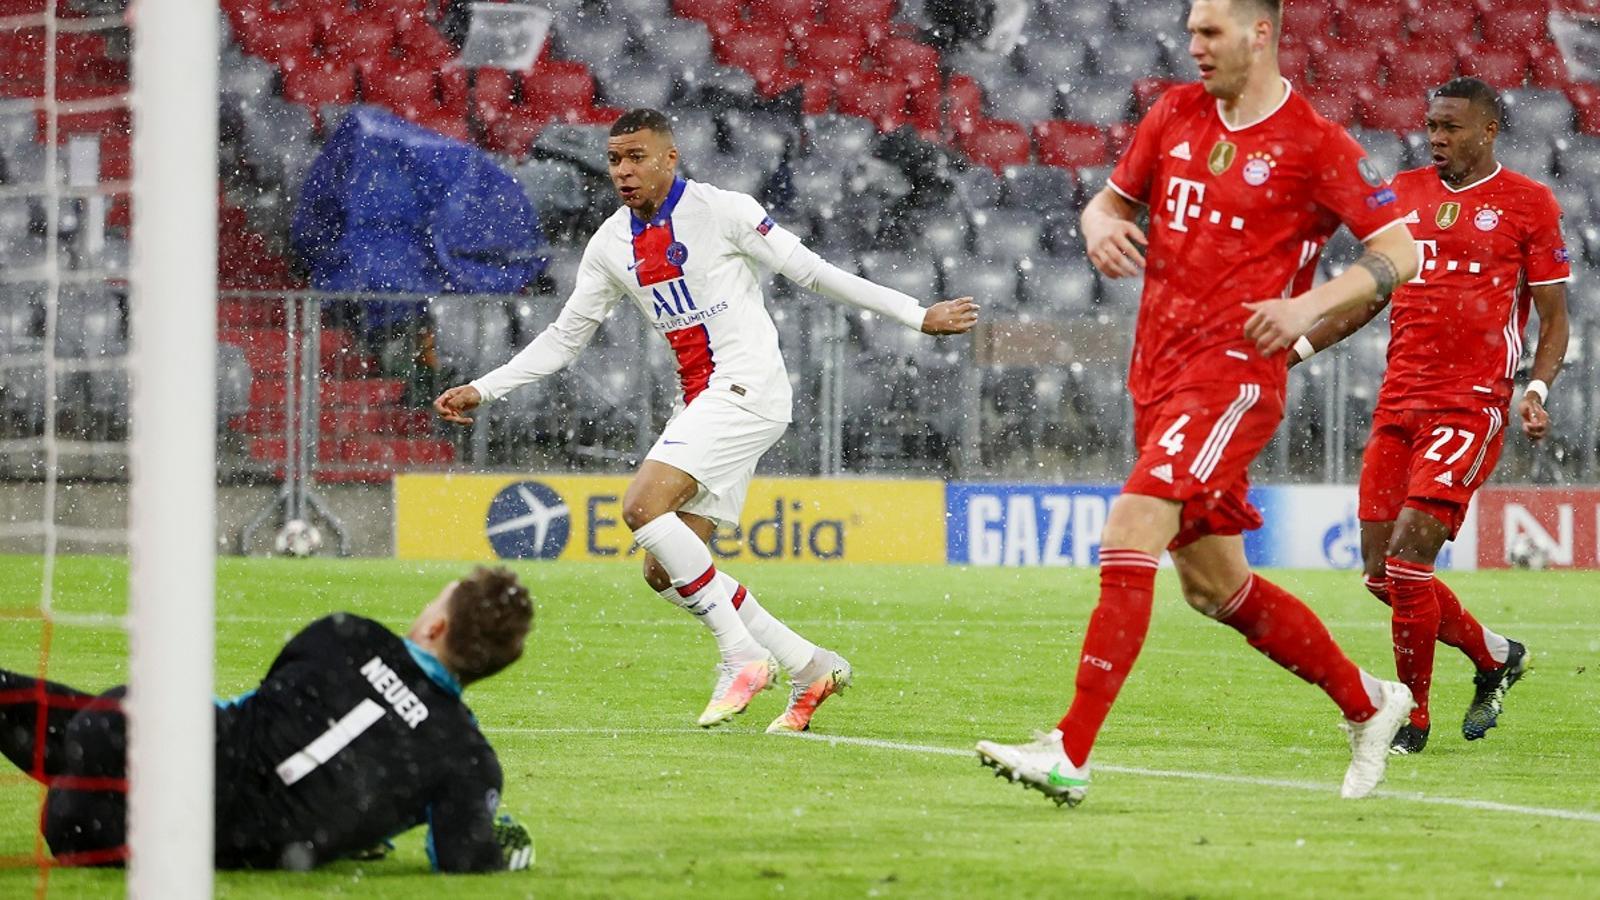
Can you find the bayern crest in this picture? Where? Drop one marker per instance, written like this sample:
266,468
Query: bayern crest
1486,219
1257,169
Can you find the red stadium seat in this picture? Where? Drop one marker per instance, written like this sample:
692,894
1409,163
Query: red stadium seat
925,111
963,103
453,90
997,144
1502,65
1585,99
1336,102
1307,22
917,63
817,96
494,95
320,82
720,16
1294,60
1371,23
406,91
1119,138
880,98
1520,27
1549,67
770,82
421,43
1418,68
1071,144
870,17
1444,27
1345,64
557,89
1400,114
751,49
444,121
351,38
823,50
277,36
514,134
785,14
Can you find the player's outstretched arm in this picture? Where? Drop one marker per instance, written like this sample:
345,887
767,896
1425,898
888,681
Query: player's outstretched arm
950,317
454,404
805,268
1390,261
1549,353
1330,330
1112,238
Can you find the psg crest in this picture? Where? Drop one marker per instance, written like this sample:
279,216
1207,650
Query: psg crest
1222,154
1447,215
677,253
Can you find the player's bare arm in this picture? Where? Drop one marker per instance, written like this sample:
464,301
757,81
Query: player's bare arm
1551,302
1390,260
455,403
1112,236
956,316
1330,330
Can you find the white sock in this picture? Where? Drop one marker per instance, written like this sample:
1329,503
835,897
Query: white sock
687,562
1499,647
793,652
1374,688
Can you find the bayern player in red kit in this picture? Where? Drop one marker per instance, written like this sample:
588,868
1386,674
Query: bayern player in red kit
1490,240
1244,182
692,257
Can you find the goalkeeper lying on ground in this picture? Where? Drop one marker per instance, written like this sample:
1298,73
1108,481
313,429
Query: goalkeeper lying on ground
355,735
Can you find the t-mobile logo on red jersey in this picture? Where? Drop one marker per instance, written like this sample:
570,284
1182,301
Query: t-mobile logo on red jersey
1183,201
1426,250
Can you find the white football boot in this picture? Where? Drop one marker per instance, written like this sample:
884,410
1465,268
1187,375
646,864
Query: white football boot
737,685
1370,740
1041,765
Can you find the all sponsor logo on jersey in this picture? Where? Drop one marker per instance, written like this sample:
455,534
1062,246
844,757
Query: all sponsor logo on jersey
1258,168
1447,215
528,520
1486,219
677,253
1221,157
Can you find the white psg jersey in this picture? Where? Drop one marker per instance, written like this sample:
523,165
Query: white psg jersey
694,270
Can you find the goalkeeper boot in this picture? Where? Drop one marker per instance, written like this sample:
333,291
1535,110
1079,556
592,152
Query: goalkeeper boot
1042,765
737,684
805,695
1490,692
1370,740
1408,740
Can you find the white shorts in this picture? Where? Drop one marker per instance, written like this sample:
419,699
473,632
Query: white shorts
719,443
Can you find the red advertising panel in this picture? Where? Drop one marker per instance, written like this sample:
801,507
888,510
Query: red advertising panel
1539,527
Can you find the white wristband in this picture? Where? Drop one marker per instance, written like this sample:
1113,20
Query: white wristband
1303,348
1537,386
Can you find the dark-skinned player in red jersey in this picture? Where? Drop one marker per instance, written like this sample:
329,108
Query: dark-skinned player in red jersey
1244,182
1491,245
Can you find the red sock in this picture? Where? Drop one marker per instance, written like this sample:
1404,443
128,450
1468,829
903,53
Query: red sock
1291,635
1377,587
1460,630
1112,643
1415,627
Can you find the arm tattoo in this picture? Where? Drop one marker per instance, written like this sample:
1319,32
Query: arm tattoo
1382,270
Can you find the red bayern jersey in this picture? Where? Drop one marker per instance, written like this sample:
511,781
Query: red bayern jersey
1457,327
1237,213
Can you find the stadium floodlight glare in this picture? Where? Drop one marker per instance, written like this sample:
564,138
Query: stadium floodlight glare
172,449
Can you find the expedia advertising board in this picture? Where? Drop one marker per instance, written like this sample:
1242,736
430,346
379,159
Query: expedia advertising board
579,517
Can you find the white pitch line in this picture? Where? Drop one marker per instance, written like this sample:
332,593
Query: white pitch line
1572,815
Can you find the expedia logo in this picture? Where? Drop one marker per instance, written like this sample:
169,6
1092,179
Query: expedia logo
528,520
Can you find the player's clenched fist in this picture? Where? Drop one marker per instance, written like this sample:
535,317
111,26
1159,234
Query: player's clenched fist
951,317
1535,421
1114,245
452,405
1275,324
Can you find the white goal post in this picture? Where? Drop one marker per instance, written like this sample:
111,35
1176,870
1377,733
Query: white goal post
172,448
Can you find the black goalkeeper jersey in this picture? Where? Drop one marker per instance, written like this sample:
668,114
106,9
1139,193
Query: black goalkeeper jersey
353,736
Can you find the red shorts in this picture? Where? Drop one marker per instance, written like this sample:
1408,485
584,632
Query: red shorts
1196,446
1429,459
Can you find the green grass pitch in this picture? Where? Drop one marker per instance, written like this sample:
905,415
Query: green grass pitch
627,798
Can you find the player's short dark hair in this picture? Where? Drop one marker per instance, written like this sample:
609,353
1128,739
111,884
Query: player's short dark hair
1476,92
1273,9
642,119
490,616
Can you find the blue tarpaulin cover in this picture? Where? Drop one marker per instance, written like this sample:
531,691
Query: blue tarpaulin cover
394,207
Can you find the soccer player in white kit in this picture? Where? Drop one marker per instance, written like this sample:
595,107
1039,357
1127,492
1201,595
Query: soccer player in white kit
690,256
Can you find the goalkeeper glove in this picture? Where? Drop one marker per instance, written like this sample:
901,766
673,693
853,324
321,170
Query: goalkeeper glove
516,844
